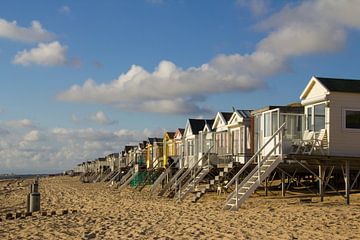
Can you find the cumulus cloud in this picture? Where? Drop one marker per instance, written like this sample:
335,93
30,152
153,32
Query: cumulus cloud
307,28
50,54
32,136
101,118
34,33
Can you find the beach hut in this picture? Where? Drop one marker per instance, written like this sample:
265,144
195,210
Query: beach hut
332,106
113,161
154,152
267,120
179,143
206,139
239,127
191,140
168,146
220,126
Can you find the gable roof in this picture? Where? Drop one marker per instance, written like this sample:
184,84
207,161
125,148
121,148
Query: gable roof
226,115
171,134
179,132
340,84
223,116
244,113
197,125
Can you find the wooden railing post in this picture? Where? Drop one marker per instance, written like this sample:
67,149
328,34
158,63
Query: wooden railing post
236,191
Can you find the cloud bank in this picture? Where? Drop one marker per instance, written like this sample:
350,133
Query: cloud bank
25,150
308,28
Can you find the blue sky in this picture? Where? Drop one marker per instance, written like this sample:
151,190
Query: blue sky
152,65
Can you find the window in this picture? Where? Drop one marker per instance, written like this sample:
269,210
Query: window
319,117
315,117
267,126
190,148
352,119
309,118
270,123
274,122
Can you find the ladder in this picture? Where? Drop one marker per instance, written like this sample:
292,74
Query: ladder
163,175
217,180
109,176
150,173
117,173
127,178
192,182
174,179
258,174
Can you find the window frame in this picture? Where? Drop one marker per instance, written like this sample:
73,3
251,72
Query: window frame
312,120
344,120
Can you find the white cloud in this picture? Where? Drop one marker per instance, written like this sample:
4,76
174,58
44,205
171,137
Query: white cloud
257,7
23,123
65,9
307,28
101,118
34,33
32,136
27,152
50,54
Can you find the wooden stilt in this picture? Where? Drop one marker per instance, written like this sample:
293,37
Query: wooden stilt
266,186
347,182
282,184
321,182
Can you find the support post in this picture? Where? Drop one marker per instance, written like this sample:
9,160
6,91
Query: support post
347,182
282,184
236,193
266,186
321,182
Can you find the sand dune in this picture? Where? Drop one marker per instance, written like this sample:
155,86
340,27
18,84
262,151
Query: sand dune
106,213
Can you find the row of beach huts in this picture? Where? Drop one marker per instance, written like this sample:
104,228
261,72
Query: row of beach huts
311,144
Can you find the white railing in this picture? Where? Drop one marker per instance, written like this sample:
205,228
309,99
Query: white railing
252,160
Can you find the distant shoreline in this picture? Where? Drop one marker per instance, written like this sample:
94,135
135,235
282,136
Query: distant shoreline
20,176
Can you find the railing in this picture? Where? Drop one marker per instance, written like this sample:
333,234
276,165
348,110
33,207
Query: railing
258,152
193,168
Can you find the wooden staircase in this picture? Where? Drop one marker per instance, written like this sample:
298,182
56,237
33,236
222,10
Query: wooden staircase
219,179
192,176
109,176
126,179
172,181
163,175
192,182
262,169
151,174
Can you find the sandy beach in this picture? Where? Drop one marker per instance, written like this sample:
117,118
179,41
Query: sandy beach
105,213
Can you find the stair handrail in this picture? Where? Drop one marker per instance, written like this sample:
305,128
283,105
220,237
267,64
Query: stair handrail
195,164
255,155
254,170
157,163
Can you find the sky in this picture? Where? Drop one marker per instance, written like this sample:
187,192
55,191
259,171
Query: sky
80,79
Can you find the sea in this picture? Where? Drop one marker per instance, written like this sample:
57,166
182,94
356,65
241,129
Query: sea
21,176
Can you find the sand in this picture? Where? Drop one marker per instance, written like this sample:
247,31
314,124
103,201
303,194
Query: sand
106,213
